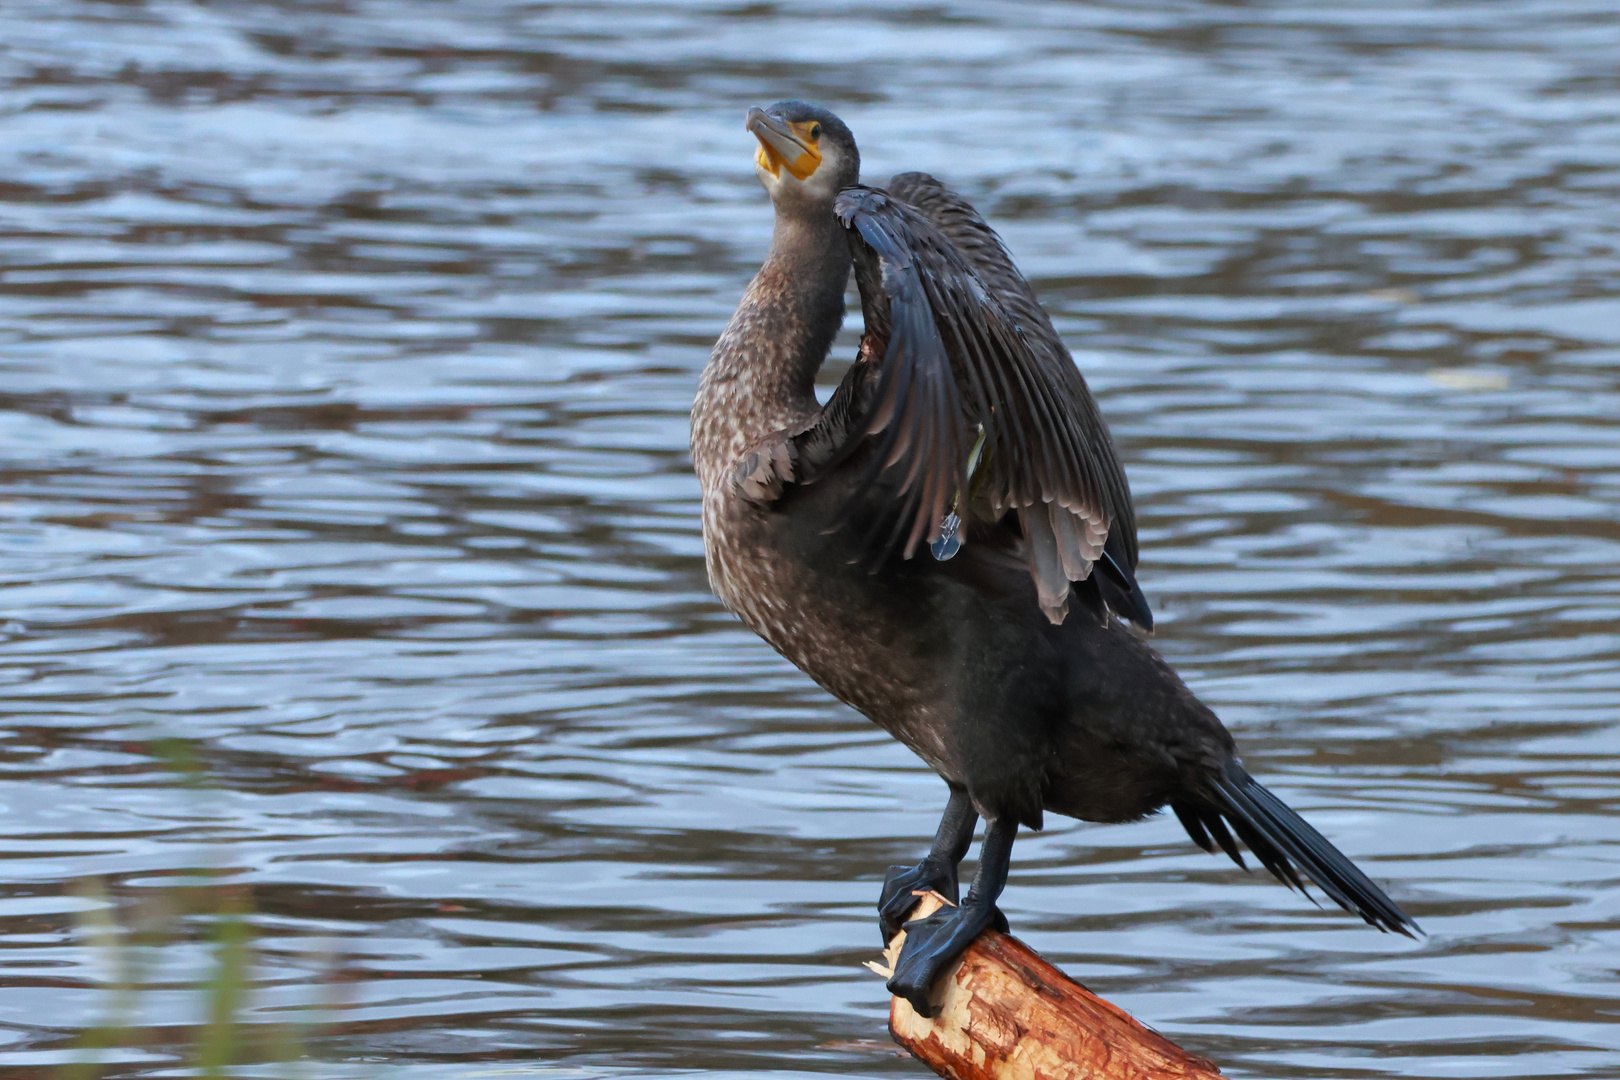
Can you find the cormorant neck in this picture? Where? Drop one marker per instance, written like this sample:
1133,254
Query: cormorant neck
809,258
810,236
764,366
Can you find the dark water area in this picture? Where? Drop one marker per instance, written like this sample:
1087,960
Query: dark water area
345,357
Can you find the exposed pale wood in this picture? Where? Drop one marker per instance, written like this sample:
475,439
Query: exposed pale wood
1006,1014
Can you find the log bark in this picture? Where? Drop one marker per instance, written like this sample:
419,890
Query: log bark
1006,1014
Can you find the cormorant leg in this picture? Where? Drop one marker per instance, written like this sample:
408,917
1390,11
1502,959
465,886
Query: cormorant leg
932,943
937,871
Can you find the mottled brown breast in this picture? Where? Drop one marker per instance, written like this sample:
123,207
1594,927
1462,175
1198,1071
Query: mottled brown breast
828,625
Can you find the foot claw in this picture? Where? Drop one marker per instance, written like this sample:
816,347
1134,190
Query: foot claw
932,944
900,889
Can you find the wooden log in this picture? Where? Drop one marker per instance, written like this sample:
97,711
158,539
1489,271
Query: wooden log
1006,1014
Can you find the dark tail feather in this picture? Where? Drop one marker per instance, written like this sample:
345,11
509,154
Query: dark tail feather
1286,845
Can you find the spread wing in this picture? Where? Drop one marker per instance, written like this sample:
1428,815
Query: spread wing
970,414
956,219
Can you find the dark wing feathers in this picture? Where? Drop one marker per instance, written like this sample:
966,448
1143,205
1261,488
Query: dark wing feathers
914,410
955,344
956,219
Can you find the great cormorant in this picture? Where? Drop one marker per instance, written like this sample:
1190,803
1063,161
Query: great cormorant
916,545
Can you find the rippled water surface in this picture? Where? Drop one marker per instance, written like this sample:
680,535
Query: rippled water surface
345,356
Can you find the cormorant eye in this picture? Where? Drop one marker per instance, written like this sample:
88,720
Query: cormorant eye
815,131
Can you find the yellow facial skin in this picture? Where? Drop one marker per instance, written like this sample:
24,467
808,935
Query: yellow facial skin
790,146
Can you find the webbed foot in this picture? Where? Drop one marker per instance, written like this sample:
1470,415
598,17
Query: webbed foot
932,944
904,881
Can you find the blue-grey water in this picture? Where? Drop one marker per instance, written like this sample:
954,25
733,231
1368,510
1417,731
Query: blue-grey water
346,349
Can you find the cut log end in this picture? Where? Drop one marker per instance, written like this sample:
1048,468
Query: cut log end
1006,1014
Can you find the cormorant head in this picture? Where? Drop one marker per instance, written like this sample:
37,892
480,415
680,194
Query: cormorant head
806,155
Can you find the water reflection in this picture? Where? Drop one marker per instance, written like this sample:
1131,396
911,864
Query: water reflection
347,352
